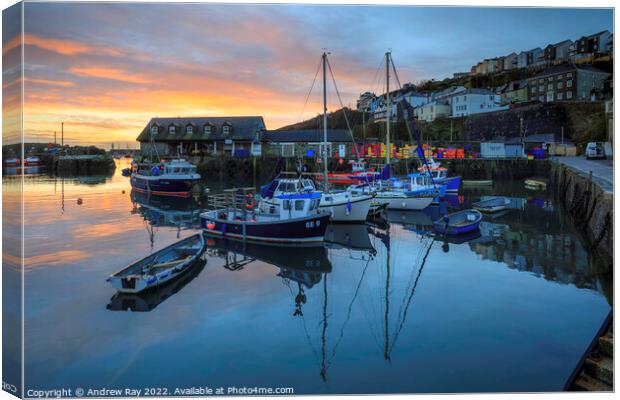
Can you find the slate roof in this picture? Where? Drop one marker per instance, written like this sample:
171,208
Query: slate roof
307,136
566,68
241,128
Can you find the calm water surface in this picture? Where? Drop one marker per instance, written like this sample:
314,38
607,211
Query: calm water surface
382,308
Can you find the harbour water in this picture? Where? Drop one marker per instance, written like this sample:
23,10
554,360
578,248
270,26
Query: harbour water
382,308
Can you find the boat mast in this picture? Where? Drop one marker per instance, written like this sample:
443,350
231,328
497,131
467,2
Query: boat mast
325,121
388,107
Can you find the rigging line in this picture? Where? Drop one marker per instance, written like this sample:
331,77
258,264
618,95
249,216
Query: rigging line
344,112
324,334
418,261
303,323
359,284
318,68
400,327
395,73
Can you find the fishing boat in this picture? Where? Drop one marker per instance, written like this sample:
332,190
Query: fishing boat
358,173
343,205
12,162
32,161
492,205
458,223
293,218
173,178
440,175
159,267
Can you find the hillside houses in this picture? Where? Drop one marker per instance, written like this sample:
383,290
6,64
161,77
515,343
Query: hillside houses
582,50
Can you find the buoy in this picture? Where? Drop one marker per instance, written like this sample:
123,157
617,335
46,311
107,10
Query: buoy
211,225
79,201
123,192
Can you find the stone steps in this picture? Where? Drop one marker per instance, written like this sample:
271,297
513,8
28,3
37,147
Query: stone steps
600,367
588,384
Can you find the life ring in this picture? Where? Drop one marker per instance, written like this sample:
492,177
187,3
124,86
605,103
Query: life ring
250,201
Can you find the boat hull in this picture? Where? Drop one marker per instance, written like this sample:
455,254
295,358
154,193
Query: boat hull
163,186
395,202
298,230
452,224
355,211
452,183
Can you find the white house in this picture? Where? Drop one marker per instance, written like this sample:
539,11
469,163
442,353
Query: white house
429,112
475,101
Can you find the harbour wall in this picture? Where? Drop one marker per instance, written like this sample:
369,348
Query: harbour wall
79,165
590,207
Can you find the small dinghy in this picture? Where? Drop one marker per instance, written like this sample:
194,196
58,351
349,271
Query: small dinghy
160,267
458,222
492,205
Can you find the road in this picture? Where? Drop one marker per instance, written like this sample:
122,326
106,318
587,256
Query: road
602,170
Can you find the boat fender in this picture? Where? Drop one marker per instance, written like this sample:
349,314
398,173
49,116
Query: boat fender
210,225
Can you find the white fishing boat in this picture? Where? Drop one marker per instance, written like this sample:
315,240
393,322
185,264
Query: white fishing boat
159,267
342,205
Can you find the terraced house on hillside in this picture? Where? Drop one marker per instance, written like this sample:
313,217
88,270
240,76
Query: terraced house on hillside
233,136
567,83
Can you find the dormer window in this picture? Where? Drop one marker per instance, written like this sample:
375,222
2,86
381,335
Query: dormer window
190,129
208,129
154,130
225,129
172,129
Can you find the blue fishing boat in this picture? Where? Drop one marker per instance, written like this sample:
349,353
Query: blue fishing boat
458,223
159,267
173,178
297,220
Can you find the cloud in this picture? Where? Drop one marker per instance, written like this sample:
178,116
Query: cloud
109,73
49,82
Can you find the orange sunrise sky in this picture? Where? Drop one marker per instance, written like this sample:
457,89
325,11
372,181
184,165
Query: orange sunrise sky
105,69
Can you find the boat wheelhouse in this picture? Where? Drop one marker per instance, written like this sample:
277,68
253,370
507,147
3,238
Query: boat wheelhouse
173,178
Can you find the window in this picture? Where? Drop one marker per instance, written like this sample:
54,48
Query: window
533,89
569,83
540,81
154,130
286,204
172,129
560,96
541,88
491,98
541,98
560,85
569,75
550,86
569,95
207,129
464,98
190,129
225,129
549,96
299,205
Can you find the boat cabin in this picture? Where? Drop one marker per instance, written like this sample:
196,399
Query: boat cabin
288,206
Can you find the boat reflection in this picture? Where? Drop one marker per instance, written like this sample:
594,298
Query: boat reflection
354,237
149,299
167,211
30,170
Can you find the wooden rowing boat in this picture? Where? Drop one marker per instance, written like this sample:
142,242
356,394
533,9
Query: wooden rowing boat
160,267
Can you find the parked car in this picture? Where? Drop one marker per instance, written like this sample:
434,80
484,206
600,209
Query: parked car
595,150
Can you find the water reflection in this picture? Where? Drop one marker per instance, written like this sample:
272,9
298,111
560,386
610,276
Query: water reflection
376,305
